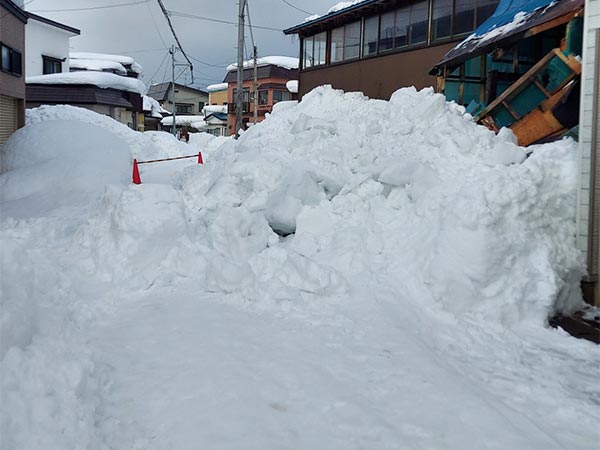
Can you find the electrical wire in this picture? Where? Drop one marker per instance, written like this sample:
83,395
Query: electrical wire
208,64
158,69
299,9
91,7
156,25
210,19
166,14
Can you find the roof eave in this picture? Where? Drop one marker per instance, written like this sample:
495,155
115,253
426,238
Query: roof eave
62,26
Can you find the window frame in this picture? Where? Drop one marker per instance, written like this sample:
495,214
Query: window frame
51,60
15,60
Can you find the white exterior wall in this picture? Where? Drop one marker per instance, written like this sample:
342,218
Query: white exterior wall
589,124
42,39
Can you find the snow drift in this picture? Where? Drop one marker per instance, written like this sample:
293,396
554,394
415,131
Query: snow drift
327,208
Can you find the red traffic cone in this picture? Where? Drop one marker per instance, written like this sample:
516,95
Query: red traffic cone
200,160
136,173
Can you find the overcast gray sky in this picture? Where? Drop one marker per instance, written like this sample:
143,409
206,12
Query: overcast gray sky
141,31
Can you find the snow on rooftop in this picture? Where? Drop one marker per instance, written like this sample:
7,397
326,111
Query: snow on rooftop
102,80
98,65
292,86
212,109
151,105
287,62
191,121
519,19
335,8
217,87
125,60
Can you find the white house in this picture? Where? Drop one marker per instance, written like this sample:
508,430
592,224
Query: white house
47,46
588,214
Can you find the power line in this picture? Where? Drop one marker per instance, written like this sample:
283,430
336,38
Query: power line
210,19
299,9
156,25
208,64
159,67
92,7
250,24
166,14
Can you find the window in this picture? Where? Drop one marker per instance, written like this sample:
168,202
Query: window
370,35
314,50
386,34
320,47
11,61
441,24
201,106
51,65
464,17
345,42
184,108
419,22
352,40
281,96
263,97
308,49
402,26
337,44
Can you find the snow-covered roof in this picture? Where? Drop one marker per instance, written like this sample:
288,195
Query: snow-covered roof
152,106
287,62
98,65
292,86
125,60
192,121
104,80
217,87
211,109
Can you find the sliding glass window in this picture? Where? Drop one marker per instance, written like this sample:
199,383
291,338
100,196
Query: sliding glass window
352,40
370,36
419,22
402,26
320,49
337,44
464,17
307,48
386,33
442,20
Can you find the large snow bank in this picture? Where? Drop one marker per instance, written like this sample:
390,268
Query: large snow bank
407,255
102,80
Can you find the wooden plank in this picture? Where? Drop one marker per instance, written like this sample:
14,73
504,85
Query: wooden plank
510,110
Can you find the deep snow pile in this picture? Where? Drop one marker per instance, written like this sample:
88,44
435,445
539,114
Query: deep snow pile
323,213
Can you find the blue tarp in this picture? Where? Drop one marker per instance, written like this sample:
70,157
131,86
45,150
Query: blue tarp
506,12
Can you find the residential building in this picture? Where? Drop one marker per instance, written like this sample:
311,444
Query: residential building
12,73
47,45
218,94
273,72
379,46
188,101
104,83
588,214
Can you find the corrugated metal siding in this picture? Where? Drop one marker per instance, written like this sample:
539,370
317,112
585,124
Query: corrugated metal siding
8,117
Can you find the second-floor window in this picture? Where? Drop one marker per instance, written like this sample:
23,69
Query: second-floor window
314,50
184,108
51,65
12,60
345,42
281,96
263,97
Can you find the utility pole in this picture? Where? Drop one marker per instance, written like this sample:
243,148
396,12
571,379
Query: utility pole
174,105
255,86
240,70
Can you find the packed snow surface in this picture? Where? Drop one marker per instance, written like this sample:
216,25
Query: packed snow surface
152,106
292,86
335,8
348,274
125,60
286,62
102,80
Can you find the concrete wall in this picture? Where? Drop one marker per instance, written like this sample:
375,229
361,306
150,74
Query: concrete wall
42,39
588,211
380,76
